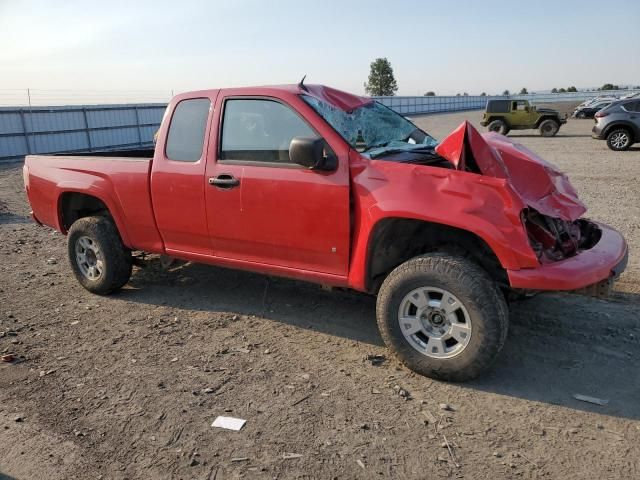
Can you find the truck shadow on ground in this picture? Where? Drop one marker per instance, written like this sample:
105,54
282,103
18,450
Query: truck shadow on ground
558,345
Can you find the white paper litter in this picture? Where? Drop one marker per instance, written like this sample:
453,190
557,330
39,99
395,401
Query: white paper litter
588,399
229,423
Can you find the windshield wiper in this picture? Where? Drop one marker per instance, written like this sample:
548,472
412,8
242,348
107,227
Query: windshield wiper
377,145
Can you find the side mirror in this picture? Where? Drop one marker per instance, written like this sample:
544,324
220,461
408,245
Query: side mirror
312,153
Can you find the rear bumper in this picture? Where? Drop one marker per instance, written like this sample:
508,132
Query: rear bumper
597,132
604,261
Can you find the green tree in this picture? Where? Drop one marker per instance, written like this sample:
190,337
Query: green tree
483,94
554,90
523,91
572,89
506,93
430,94
562,90
609,86
381,82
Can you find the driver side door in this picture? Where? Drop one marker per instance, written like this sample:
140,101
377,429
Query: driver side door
519,113
261,207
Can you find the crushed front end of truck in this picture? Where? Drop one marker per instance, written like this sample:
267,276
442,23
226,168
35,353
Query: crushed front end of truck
573,253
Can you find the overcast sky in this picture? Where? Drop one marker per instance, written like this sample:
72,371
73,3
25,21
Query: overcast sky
445,46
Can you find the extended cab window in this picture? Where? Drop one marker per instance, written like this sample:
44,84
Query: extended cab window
186,132
260,130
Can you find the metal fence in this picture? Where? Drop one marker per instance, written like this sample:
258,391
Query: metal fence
418,105
25,131
90,128
571,96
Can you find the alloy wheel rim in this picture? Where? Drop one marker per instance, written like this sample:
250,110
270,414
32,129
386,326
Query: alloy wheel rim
619,140
434,322
89,258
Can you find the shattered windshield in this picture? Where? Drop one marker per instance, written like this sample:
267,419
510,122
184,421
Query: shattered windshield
373,129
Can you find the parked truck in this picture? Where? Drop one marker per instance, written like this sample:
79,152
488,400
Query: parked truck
315,184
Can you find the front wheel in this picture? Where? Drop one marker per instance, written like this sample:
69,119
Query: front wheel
99,260
443,316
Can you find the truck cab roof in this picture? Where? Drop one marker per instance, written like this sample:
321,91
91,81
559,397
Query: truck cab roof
337,98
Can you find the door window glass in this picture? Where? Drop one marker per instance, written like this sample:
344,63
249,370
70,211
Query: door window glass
260,130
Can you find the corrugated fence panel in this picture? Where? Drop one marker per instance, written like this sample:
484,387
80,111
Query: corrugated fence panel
13,146
109,118
53,121
114,137
25,130
59,142
150,115
418,105
10,123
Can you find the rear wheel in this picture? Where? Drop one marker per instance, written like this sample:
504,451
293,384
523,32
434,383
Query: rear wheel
443,316
619,139
581,115
549,128
498,126
99,260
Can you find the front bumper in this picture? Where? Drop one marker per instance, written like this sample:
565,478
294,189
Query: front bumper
484,123
606,260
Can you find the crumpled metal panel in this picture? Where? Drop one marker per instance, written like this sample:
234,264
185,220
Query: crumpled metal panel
339,99
539,184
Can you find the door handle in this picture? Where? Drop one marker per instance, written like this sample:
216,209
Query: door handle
224,181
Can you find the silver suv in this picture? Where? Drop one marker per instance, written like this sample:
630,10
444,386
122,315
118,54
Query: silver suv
618,124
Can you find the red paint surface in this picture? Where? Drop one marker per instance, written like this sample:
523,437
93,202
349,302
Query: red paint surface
316,226
538,183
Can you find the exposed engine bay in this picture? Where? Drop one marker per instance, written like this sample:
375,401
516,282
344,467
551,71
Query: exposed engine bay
553,239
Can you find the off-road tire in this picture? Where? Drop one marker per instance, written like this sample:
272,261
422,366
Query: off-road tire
581,115
479,295
115,257
498,126
549,128
619,139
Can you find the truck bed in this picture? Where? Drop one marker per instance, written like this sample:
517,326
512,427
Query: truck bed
133,154
120,180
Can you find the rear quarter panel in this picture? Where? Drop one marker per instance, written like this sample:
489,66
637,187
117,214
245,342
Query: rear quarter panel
122,184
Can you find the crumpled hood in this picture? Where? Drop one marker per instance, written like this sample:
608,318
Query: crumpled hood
538,183
345,101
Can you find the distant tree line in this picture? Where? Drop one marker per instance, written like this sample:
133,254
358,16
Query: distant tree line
382,83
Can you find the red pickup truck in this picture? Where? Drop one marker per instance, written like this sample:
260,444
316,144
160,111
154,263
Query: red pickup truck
308,182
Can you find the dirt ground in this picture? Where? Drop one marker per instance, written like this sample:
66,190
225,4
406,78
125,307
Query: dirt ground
127,386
